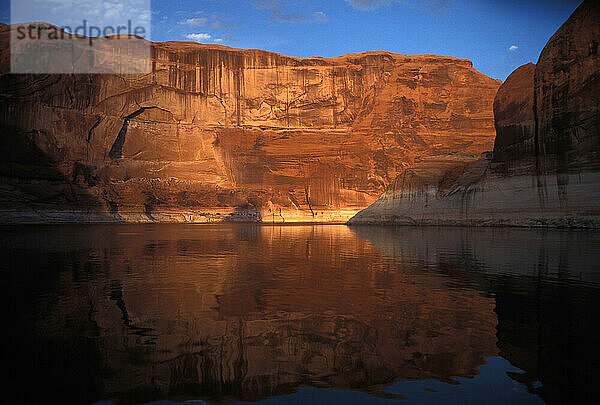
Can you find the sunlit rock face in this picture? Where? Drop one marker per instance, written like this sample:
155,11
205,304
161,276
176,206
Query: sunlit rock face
544,170
216,133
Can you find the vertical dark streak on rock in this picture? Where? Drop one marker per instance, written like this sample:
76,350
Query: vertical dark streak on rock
307,195
91,131
539,171
238,101
334,98
116,151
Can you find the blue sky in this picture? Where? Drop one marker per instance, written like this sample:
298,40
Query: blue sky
498,36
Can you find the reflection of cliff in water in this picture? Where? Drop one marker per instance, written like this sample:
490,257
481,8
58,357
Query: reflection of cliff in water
238,312
546,288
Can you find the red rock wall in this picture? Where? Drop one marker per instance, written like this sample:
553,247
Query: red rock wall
244,134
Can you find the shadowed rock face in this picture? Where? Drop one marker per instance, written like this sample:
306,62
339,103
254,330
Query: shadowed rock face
218,133
545,166
567,94
513,116
549,111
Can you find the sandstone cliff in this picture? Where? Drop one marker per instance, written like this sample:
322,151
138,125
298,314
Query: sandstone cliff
215,133
545,167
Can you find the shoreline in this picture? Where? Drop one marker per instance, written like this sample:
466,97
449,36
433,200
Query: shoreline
72,217
16,218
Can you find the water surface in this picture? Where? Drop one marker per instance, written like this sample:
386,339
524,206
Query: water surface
299,314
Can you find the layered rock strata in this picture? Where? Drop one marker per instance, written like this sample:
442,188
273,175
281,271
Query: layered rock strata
545,168
215,133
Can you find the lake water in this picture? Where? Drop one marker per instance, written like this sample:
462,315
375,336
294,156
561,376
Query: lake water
299,314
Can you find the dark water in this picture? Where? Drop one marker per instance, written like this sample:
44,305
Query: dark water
299,314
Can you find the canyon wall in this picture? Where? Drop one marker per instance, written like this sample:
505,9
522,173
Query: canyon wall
544,170
215,133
